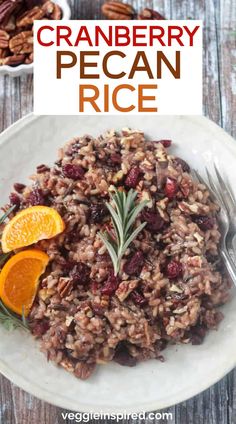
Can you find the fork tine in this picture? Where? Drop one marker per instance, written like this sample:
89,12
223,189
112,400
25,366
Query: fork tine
227,197
198,176
214,191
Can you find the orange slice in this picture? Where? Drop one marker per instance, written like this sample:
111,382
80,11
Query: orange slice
31,225
19,279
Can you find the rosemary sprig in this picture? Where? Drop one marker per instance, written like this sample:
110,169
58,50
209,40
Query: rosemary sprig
123,212
8,319
11,321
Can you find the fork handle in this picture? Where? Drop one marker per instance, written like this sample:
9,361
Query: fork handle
231,268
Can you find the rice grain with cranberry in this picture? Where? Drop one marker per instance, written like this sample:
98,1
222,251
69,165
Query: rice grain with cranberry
171,282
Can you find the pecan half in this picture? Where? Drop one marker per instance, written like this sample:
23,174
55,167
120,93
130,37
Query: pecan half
83,370
9,24
48,8
7,7
22,43
28,17
65,287
56,14
13,60
125,288
150,14
4,39
117,10
29,59
3,53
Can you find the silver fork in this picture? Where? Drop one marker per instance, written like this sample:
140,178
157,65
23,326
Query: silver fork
221,193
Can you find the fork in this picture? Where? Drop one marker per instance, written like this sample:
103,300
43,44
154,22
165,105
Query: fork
223,194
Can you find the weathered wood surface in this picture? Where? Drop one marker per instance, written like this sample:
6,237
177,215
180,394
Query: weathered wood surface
217,405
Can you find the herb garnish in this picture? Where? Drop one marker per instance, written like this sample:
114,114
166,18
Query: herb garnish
11,321
123,212
8,319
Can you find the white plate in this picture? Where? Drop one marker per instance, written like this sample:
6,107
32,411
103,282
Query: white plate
16,71
151,385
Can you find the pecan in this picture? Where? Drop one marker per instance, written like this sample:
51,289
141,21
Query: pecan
65,287
3,53
67,364
29,16
150,14
118,10
22,43
48,8
84,370
13,60
29,59
7,7
56,14
125,288
4,39
31,3
9,24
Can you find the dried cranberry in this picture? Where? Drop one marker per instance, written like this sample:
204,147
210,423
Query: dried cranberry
174,269
111,285
184,165
39,328
15,200
98,309
123,357
73,236
115,158
198,334
204,222
80,273
19,187
98,211
75,172
153,219
68,265
133,177
138,298
171,188
94,285
165,143
133,265
161,344
36,197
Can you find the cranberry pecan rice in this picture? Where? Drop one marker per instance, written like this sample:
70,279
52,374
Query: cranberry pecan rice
171,282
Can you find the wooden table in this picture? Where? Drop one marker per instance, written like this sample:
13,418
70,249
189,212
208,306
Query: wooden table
217,405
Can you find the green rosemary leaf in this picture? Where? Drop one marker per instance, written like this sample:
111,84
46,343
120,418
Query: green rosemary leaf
133,215
133,236
116,221
10,320
129,202
3,258
5,215
124,212
111,250
23,318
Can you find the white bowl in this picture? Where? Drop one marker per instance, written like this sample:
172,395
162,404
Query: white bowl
150,385
23,69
